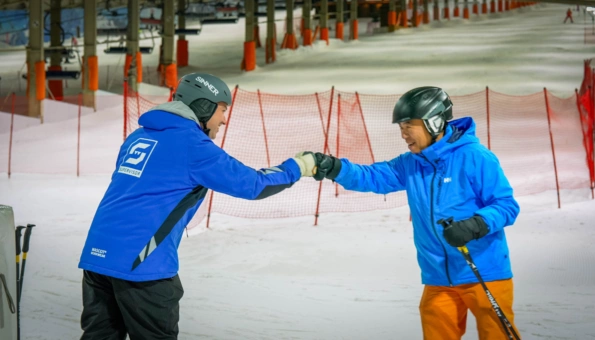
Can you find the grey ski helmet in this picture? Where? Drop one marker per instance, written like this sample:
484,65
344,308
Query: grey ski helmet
201,92
428,103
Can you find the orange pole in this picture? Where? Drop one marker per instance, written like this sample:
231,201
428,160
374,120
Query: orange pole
549,124
249,63
339,30
354,30
324,34
307,37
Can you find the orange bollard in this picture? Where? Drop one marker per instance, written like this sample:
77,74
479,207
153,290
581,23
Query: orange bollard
475,10
392,18
171,75
307,37
139,67
404,21
40,80
182,52
436,13
457,12
324,34
446,13
56,85
249,62
339,30
354,29
484,8
93,73
465,13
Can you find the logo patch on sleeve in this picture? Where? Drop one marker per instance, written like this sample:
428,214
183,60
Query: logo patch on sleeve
137,157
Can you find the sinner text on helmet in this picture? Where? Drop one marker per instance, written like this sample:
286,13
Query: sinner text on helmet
206,83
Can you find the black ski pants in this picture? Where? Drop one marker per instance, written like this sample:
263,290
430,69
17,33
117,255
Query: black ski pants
114,308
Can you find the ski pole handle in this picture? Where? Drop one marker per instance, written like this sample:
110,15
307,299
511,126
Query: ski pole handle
18,234
445,224
27,237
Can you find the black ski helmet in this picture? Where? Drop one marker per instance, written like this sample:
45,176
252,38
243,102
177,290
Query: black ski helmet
201,92
428,103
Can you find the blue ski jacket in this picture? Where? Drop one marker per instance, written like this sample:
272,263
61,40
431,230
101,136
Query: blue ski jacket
458,177
162,175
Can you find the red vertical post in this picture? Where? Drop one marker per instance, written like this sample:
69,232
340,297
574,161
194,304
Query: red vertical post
549,124
361,112
328,124
11,130
488,117
338,136
320,114
264,129
233,100
125,108
78,137
578,107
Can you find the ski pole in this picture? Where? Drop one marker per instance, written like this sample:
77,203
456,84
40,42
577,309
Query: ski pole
508,329
18,251
18,234
25,251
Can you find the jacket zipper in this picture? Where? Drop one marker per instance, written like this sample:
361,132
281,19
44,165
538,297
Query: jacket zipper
440,180
432,221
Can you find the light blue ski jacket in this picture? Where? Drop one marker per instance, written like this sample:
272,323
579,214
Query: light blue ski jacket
458,177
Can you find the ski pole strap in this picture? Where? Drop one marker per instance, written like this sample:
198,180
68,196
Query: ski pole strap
8,296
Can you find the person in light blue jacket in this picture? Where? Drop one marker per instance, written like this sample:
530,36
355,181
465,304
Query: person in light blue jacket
446,174
163,173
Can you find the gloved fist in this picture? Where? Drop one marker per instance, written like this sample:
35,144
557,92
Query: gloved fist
458,233
306,162
326,167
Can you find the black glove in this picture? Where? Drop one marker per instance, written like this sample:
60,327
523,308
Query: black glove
457,234
326,167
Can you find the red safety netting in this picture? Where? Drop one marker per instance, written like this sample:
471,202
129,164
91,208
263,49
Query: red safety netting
536,138
586,107
544,143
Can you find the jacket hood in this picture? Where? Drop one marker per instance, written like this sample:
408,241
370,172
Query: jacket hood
459,132
167,115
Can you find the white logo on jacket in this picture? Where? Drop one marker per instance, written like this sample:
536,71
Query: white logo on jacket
447,180
136,158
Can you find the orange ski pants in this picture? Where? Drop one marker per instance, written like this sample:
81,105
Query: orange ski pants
444,310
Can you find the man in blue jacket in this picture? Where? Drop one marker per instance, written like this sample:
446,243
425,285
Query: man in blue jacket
163,172
447,173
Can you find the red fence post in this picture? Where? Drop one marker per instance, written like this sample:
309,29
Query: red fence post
338,137
328,126
361,112
11,129
320,113
488,117
264,129
549,124
233,100
78,137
